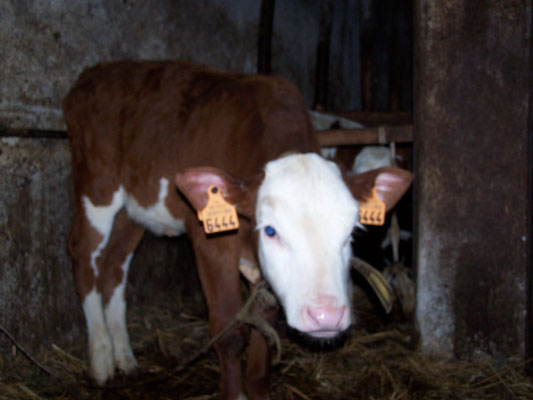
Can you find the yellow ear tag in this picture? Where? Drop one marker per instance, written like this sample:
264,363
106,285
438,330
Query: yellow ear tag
372,212
218,215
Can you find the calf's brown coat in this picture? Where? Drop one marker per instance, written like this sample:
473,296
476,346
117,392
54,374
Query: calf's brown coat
131,124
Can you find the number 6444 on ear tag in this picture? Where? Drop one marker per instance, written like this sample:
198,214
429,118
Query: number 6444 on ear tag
218,215
372,211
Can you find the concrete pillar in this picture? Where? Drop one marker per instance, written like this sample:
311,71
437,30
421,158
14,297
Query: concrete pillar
471,122
38,301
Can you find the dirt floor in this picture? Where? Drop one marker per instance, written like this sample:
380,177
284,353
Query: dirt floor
378,364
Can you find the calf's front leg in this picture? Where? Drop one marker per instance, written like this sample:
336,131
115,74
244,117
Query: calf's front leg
259,354
217,263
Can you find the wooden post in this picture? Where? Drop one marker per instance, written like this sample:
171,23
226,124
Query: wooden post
264,45
322,56
529,275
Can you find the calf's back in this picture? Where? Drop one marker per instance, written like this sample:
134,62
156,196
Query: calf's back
137,122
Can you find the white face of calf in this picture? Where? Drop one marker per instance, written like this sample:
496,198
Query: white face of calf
305,215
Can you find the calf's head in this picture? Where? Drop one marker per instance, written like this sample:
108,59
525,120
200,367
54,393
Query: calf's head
304,211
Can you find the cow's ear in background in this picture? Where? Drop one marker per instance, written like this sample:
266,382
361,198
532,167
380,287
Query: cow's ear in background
194,182
391,184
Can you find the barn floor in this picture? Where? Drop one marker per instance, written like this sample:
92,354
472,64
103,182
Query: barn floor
377,364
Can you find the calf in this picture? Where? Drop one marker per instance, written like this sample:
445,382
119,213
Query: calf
148,139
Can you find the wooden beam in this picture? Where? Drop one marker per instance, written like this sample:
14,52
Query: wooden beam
32,134
370,118
366,136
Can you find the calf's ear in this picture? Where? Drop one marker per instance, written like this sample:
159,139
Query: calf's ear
391,184
194,182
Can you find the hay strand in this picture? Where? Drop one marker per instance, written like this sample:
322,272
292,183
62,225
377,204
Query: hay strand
371,365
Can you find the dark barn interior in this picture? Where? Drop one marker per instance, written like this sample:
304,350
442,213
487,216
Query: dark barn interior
445,86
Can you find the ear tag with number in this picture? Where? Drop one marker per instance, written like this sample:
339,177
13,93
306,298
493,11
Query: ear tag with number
372,211
218,215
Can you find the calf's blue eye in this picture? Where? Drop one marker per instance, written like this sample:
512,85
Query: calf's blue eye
269,231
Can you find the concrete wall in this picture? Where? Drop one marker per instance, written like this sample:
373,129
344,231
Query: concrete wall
45,45
471,115
36,288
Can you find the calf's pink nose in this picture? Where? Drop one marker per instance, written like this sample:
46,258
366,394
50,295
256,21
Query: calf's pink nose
323,318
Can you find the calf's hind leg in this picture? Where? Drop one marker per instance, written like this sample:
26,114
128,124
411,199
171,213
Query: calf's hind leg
101,248
112,283
90,234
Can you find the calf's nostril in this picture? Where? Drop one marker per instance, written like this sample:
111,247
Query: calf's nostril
324,317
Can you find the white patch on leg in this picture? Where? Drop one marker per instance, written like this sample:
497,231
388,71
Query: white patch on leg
100,346
101,218
241,396
156,218
115,314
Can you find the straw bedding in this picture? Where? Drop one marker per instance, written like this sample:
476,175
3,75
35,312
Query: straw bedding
378,364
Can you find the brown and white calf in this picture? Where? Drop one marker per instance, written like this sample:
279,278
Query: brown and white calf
147,141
